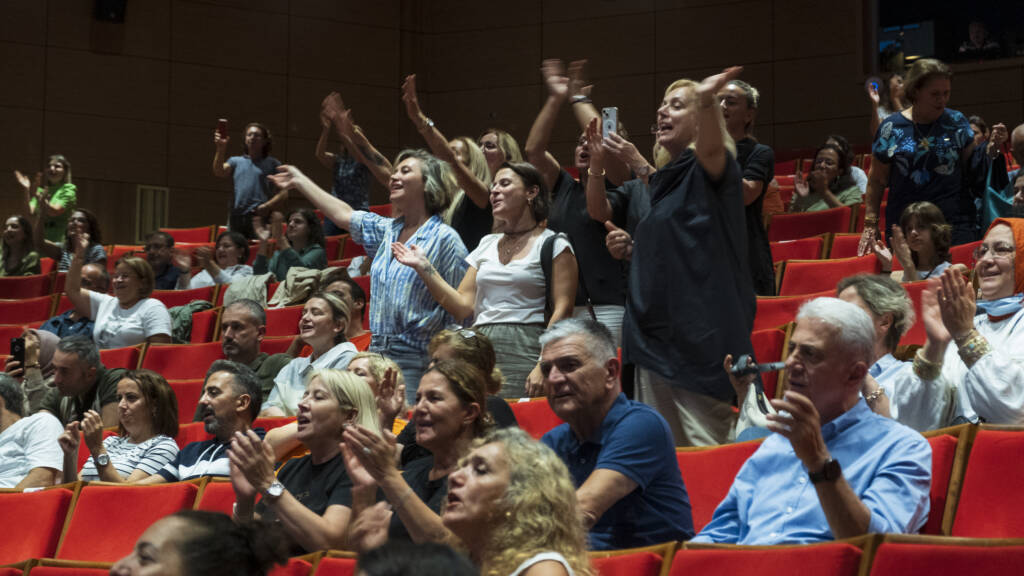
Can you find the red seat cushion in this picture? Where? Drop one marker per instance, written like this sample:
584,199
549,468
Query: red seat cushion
900,559
991,502
833,559
42,516
708,473
637,564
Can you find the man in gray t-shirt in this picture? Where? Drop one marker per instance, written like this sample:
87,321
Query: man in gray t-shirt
249,172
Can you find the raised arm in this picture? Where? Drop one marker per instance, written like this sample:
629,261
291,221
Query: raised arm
876,101
221,168
332,107
335,209
73,288
710,125
326,158
598,206
459,303
616,168
477,191
540,133
878,178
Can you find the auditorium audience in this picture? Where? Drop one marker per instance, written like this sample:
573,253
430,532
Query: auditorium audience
17,250
601,286
311,497
506,290
229,404
969,367
58,197
920,242
887,98
924,152
223,266
198,543
869,474
449,413
322,327
739,101
506,523
350,178
301,245
249,173
161,257
147,424
339,283
403,314
829,184
620,453
94,278
130,316
82,223
80,383
693,240
470,210
29,454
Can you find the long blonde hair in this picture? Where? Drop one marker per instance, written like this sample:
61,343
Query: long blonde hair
477,165
539,508
661,156
352,393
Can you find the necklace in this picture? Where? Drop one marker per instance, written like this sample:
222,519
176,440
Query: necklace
922,140
513,243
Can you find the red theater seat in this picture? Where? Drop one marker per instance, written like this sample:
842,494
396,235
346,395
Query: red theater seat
535,416
991,502
172,298
17,287
334,566
217,496
107,520
944,445
41,515
775,311
811,276
193,235
708,473
182,361
834,559
283,321
934,557
187,393
127,357
806,224
769,346
800,249
26,310
294,567
647,561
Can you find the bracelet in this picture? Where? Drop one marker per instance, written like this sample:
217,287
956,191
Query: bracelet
601,175
580,99
870,220
973,348
875,395
924,368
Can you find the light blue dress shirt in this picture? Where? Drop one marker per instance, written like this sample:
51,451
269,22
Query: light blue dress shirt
772,500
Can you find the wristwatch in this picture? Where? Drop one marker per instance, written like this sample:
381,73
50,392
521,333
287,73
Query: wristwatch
274,491
103,459
830,472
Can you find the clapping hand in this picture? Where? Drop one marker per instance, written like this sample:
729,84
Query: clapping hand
712,85
956,301
412,256
252,464
553,71
800,185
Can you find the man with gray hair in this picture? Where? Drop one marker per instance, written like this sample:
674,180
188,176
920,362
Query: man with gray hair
229,404
29,454
620,453
833,469
81,383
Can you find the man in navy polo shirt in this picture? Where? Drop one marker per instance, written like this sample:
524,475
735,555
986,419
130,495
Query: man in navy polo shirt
620,453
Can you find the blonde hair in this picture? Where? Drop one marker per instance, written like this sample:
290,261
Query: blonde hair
661,156
352,393
477,165
539,508
507,143
472,347
379,365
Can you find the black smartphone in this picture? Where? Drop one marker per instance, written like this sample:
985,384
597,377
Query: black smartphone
18,350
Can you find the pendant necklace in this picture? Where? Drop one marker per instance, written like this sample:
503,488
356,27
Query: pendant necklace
514,242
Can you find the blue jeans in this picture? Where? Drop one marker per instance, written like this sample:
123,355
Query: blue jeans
412,361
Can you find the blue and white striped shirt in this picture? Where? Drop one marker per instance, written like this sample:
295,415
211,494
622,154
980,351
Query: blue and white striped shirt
401,306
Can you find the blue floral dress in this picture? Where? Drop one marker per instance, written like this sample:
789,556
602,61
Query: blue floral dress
925,165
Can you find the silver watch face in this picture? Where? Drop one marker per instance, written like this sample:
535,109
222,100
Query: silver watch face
103,459
275,489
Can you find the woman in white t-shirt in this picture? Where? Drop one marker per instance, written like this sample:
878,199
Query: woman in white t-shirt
130,316
504,289
220,267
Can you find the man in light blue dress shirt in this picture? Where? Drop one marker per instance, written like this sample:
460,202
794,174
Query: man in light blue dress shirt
833,469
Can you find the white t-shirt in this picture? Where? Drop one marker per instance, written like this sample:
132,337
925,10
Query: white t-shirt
540,558
116,327
227,275
290,382
30,443
513,292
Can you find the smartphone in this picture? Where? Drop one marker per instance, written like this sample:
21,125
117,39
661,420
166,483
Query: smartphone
18,350
222,127
609,121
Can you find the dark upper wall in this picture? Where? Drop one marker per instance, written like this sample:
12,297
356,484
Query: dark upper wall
136,103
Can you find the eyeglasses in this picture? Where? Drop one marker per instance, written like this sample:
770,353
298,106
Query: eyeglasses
1000,250
465,333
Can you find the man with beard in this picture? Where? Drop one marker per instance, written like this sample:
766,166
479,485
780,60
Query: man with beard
231,399
242,327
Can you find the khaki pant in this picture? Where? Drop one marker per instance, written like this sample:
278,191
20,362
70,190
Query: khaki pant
695,419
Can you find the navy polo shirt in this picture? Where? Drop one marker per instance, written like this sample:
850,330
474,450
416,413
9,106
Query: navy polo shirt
634,440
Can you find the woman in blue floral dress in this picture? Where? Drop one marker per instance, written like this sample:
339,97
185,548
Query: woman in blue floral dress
923,153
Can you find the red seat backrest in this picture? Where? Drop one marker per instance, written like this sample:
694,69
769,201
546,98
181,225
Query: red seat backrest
916,334
332,245
83,452
810,276
12,287
120,250
182,361
708,473
903,559
199,234
364,283
283,321
127,357
636,564
294,567
204,325
806,224
85,570
775,311
26,310
991,503
47,265
336,567
964,254
382,209
835,559
217,496
768,347
107,520
799,249
191,432
535,416
172,298
41,515
943,454
187,393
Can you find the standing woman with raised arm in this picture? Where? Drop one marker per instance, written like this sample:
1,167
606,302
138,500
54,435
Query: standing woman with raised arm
690,299
58,197
505,289
351,178
249,173
470,213
602,279
403,314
